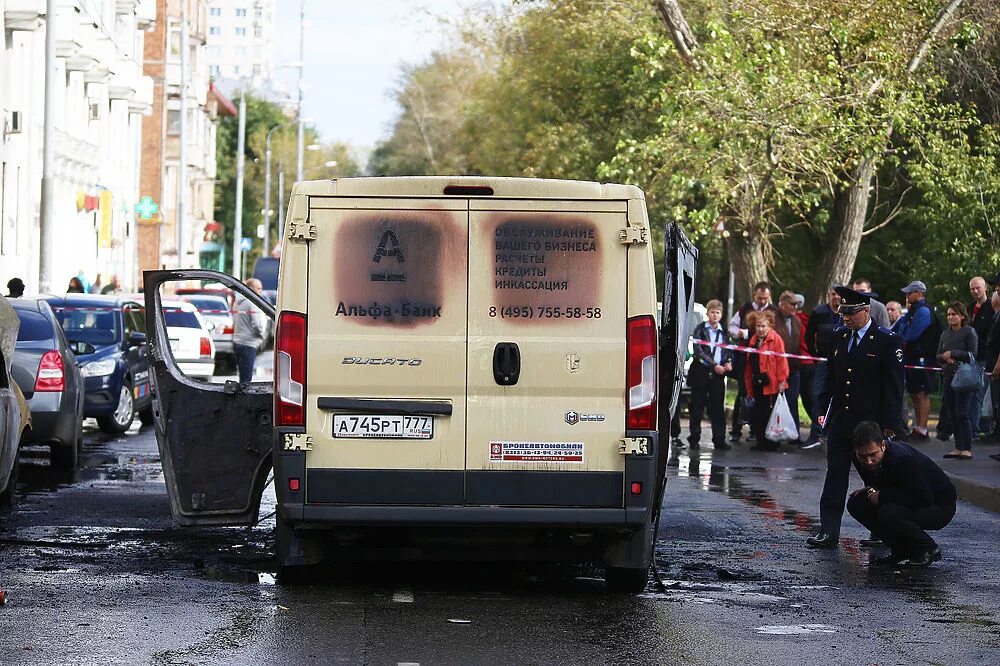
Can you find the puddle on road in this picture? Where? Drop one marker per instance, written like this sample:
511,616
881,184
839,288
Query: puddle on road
37,475
796,629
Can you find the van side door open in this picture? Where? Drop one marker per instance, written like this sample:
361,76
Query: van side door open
215,440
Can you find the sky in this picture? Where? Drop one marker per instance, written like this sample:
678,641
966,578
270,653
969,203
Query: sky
353,54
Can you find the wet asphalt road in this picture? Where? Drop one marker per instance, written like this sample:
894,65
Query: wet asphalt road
95,572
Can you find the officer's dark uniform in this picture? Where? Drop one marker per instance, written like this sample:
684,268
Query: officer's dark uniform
864,382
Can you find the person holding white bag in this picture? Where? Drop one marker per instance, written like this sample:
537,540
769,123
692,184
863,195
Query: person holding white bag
766,375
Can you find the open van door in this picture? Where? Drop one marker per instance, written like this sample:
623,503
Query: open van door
215,439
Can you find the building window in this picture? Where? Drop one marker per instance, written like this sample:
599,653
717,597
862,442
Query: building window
215,11
213,71
215,30
241,13
258,12
258,31
241,32
173,122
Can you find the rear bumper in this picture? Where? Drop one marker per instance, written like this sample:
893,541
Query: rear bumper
53,418
329,498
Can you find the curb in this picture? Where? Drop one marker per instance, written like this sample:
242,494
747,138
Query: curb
979,494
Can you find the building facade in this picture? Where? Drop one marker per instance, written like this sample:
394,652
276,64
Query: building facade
101,97
241,37
160,169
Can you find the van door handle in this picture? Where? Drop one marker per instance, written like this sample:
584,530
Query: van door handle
506,363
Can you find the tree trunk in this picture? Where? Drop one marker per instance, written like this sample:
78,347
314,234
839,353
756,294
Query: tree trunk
746,253
843,236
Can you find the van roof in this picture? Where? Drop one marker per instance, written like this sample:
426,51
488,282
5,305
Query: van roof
434,186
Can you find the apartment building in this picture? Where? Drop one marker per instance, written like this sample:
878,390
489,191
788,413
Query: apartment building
241,40
100,101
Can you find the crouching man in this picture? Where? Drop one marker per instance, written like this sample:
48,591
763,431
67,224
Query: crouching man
905,493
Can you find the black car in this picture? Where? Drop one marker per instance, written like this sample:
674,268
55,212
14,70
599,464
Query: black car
45,369
108,336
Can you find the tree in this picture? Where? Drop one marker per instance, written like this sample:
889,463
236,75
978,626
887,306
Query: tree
262,115
842,79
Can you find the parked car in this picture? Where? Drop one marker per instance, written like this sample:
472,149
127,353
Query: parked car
46,370
15,417
190,339
108,336
215,310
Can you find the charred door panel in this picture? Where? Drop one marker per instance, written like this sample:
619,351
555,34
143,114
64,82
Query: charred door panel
215,439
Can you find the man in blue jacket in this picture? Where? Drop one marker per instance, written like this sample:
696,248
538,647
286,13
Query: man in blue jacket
920,330
905,494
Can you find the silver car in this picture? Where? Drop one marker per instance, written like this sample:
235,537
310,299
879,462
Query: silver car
215,310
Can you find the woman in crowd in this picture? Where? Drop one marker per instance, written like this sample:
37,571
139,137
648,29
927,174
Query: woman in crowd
958,344
765,376
74,286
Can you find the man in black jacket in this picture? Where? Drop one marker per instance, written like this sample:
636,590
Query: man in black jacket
905,494
864,382
707,378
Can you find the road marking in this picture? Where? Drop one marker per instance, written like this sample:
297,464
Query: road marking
403,597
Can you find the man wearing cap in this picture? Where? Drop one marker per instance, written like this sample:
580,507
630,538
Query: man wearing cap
920,330
864,382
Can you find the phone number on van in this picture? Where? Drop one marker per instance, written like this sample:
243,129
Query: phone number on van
545,312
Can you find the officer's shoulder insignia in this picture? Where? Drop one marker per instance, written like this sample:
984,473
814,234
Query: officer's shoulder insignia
899,355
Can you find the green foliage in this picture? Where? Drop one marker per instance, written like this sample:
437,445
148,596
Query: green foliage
262,115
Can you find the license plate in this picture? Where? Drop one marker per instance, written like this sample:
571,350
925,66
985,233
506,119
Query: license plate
374,426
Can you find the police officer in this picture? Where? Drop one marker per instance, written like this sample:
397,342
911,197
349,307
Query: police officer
864,382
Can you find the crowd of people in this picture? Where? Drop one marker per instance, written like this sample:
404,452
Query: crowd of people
796,345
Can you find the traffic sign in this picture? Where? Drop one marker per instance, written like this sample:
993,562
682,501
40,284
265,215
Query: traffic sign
245,244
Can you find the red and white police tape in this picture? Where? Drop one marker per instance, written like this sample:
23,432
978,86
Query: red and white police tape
754,350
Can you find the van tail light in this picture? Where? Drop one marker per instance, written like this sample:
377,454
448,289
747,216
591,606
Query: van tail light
206,347
640,373
290,369
50,373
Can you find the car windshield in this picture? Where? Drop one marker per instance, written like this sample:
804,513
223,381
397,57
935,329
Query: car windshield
93,324
209,304
178,318
34,326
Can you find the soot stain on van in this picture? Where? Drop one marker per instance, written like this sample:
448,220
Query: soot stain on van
548,268
392,268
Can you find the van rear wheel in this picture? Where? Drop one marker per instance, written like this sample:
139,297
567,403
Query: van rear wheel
626,579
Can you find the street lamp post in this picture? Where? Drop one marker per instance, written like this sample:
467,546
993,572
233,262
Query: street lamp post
302,60
182,154
281,201
46,232
267,212
240,148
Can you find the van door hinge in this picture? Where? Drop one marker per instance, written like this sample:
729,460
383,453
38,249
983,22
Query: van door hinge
298,442
301,231
636,446
633,236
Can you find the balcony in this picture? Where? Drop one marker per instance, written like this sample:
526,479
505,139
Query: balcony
142,101
24,14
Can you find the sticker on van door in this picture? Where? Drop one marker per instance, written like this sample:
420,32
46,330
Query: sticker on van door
553,452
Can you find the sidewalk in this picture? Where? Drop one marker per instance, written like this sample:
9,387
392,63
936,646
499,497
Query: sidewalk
977,480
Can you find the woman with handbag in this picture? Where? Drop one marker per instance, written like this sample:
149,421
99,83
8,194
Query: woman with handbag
765,375
957,348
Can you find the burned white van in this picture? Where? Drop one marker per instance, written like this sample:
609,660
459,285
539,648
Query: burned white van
458,361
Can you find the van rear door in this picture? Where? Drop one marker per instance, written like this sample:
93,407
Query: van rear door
547,347
385,358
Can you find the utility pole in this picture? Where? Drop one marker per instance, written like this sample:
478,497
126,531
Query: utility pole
267,198
182,156
302,66
281,203
46,232
238,222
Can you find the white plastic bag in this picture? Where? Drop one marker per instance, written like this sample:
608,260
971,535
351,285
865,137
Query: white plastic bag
987,411
781,427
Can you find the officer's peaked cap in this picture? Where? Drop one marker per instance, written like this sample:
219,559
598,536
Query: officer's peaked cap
851,301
